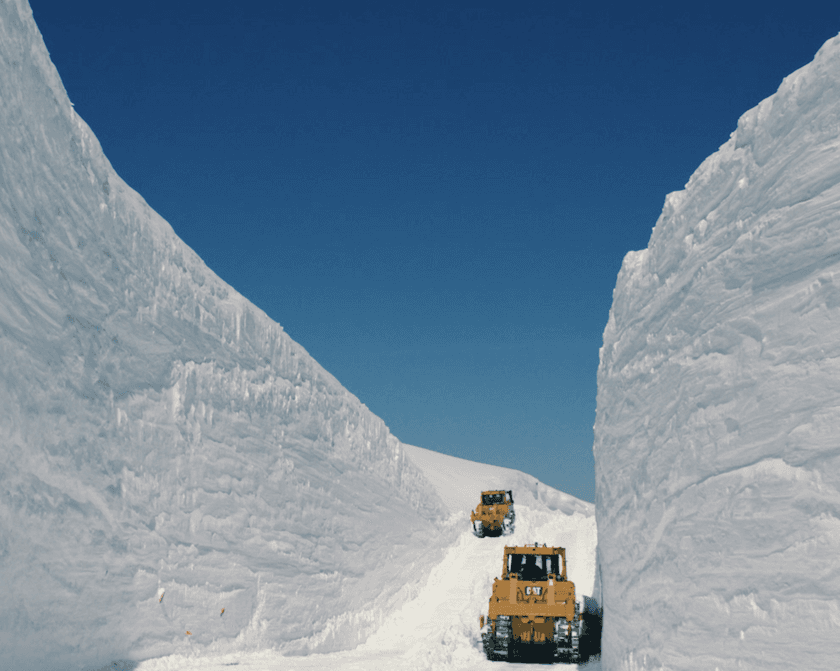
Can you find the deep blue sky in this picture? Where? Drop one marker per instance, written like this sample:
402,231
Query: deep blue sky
433,198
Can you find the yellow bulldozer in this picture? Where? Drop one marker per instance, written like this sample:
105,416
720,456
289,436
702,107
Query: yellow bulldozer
533,609
494,515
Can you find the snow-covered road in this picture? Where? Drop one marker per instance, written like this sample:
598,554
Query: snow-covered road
437,627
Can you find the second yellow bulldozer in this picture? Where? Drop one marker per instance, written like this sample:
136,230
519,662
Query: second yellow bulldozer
494,515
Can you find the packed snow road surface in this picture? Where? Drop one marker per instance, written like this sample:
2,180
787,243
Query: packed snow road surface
437,627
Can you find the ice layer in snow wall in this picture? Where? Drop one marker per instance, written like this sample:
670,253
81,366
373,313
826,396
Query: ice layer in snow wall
166,450
717,438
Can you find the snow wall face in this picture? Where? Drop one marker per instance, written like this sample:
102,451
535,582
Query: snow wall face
717,438
166,450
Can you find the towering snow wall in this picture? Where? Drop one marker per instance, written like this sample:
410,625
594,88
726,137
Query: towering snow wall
166,450
717,438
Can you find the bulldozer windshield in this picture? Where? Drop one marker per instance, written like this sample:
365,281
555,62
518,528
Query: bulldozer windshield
492,499
534,567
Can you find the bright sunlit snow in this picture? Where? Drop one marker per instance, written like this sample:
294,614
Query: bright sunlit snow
178,476
437,627
716,440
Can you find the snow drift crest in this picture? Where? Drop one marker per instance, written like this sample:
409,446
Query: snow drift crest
158,429
718,412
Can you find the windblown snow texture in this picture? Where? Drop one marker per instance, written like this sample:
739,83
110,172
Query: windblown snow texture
717,439
166,450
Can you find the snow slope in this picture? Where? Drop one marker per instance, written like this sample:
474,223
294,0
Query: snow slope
177,476
458,481
716,439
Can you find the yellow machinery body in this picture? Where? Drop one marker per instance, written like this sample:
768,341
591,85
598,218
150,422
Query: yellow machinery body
494,514
533,604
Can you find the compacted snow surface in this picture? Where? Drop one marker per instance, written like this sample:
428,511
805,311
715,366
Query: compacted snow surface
178,478
717,438
437,625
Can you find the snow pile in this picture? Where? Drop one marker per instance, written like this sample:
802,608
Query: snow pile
717,439
166,450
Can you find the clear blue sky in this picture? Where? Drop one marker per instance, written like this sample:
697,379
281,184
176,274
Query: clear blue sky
433,198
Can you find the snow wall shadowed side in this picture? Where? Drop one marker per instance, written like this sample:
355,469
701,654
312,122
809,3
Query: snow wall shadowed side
717,438
166,450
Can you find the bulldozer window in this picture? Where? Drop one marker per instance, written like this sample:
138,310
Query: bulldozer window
493,499
534,567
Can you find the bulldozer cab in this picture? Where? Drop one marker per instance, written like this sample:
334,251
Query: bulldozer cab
535,563
496,498
535,567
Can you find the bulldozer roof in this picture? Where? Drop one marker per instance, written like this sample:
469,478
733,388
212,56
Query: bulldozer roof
535,549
